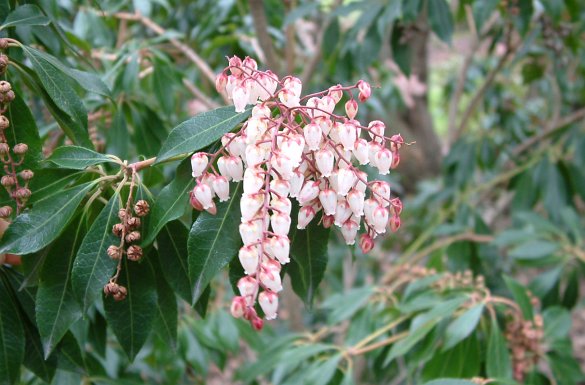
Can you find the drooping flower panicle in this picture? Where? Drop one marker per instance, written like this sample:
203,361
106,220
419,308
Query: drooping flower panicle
294,146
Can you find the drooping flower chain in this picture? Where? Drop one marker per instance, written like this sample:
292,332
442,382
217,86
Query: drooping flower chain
294,147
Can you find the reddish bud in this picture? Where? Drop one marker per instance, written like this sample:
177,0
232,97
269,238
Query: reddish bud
366,243
20,149
394,223
257,323
141,208
134,253
328,221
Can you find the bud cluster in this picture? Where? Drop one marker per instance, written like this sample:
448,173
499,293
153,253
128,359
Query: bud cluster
525,339
460,280
295,147
15,183
128,230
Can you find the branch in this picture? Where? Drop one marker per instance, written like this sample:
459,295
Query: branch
261,27
439,244
199,94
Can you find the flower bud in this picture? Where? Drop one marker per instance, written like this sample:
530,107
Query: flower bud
240,96
133,237
356,199
238,307
306,215
3,43
381,192
396,142
26,175
20,149
5,86
335,92
4,122
396,206
383,160
380,219
349,231
121,294
22,193
114,252
366,243
328,221
141,208
269,303
394,223
134,253
199,163
122,214
194,202
221,186
261,111
283,164
296,183
221,82
376,130
328,199
395,160
111,288
348,136
283,205
271,280
8,181
257,323
118,229
365,90
4,148
345,181
325,161
250,204
373,149
351,108
133,222
5,212
250,232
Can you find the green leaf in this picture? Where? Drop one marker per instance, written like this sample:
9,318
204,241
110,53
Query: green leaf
309,260
498,358
28,14
463,326
449,381
93,267
23,129
534,249
40,226
50,181
213,241
132,318
12,341
171,202
200,131
174,258
462,361
77,158
520,296
56,307
163,81
482,10
441,19
63,95
34,358
165,324
557,323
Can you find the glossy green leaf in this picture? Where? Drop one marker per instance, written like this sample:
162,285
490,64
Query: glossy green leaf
463,361
56,306
166,319
171,202
441,19
93,267
50,181
38,227
449,381
534,249
463,326
132,319
27,14
520,296
308,260
34,357
557,323
63,95
174,258
12,340
76,158
213,241
200,131
497,356
23,129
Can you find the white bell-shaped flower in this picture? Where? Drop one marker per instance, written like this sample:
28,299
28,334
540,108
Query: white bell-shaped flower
325,161
221,186
198,163
204,195
328,199
268,301
249,258
306,215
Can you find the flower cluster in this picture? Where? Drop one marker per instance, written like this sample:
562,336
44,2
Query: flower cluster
295,146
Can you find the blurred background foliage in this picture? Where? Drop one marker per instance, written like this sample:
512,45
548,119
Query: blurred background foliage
485,277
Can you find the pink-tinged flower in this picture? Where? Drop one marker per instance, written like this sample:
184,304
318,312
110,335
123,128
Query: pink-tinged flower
293,146
376,130
249,64
394,223
345,181
335,92
255,128
268,85
261,111
313,136
349,231
383,160
204,195
280,248
373,149
198,163
356,199
249,259
365,90
255,155
396,206
247,287
325,123
238,307
347,136
351,108
327,104
269,303
207,178
221,82
280,223
342,212
362,179
234,63
296,183
328,199
281,204
309,192
396,142
221,165
283,164
380,219
194,202
334,132
270,278
369,207
313,107
366,243
327,221
251,232
325,160
294,85
240,95
288,98
280,186
253,180
250,204
221,186
360,151
257,323
381,192
395,159
306,215
235,168
232,82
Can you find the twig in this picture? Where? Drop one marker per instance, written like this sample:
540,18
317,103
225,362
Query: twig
261,27
377,345
447,241
199,94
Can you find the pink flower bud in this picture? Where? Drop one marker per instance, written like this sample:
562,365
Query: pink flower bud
280,248
221,186
345,181
349,231
328,199
336,93
365,90
356,199
250,63
342,212
194,202
328,221
296,183
376,130
198,163
250,204
280,223
306,215
235,61
253,180
249,259
203,194
270,279
381,192
280,186
267,85
328,104
360,151
309,192
351,108
240,95
395,160
221,165
235,168
313,136
396,142
383,160
366,243
313,107
257,323
281,204
251,232
394,223
269,303
396,206
294,85
212,209
247,287
348,135
221,82
380,219
325,160
238,307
